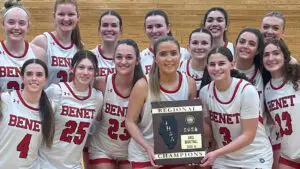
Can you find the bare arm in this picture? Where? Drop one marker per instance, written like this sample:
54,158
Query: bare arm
39,52
40,41
100,84
192,88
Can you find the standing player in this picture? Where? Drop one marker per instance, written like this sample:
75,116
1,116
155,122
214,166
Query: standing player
282,98
110,29
216,21
156,26
63,42
200,43
76,107
241,140
108,146
273,26
163,83
14,50
26,119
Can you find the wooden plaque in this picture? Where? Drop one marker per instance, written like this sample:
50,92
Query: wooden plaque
178,132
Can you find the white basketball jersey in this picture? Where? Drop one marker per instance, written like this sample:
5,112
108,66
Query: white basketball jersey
106,65
111,136
185,67
230,46
74,115
10,67
283,103
59,59
136,152
226,110
20,132
147,56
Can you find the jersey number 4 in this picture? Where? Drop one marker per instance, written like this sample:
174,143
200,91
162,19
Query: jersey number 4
23,146
114,127
285,116
68,132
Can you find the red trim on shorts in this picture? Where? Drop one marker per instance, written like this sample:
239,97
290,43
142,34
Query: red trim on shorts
288,162
276,147
123,162
140,164
100,161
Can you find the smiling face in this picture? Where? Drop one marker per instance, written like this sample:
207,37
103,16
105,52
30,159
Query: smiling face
272,27
84,72
34,78
110,28
273,60
66,17
246,46
200,45
156,27
125,59
219,67
167,57
16,24
216,23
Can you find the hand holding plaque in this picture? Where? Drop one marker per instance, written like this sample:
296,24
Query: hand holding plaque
178,129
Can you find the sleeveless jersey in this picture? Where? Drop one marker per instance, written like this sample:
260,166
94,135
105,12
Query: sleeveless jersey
106,65
283,103
20,132
136,153
74,115
10,67
230,46
225,111
111,136
147,56
59,59
185,67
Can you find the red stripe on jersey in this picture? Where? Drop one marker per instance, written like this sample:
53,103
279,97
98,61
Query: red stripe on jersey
101,53
233,95
100,161
261,120
24,103
10,54
152,51
115,87
59,44
188,71
276,88
176,90
276,147
253,76
288,162
78,98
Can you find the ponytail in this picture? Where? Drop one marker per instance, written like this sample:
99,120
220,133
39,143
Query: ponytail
47,116
76,38
237,74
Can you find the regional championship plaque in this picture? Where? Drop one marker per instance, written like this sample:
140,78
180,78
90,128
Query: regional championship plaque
178,132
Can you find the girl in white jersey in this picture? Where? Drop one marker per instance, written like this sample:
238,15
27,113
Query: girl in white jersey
156,26
216,21
200,43
110,29
240,138
76,107
14,50
108,146
282,98
63,42
162,84
26,119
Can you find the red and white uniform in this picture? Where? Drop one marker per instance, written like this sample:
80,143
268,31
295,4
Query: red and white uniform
110,141
185,67
225,111
147,56
59,59
75,113
106,65
20,132
230,46
136,153
283,103
10,67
